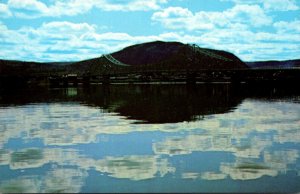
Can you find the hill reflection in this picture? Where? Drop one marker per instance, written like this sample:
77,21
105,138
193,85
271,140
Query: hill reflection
150,103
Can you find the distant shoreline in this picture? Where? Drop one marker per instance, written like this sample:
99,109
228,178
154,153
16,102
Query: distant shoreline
249,76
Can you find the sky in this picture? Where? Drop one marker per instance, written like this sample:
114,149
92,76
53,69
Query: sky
71,30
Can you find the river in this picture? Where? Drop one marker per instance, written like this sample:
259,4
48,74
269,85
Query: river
150,138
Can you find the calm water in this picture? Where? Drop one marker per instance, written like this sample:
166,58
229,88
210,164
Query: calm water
150,138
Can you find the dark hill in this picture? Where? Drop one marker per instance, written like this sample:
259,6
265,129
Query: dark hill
149,53
160,55
177,55
274,64
156,55
13,67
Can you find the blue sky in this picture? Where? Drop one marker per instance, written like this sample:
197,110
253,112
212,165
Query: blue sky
69,30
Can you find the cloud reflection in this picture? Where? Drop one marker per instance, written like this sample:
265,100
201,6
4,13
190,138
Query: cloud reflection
28,158
133,167
211,176
65,180
211,142
249,134
76,124
247,171
24,184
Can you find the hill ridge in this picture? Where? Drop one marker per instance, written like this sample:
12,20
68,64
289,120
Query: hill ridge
149,56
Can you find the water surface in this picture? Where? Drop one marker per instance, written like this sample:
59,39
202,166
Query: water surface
150,138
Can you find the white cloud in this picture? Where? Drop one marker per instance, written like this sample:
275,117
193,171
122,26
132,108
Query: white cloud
66,28
134,5
69,7
239,30
4,11
174,12
271,5
56,41
2,27
37,8
182,18
291,27
36,43
248,13
27,8
280,5
67,41
31,5
178,18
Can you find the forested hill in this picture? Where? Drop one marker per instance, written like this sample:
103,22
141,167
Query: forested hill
157,55
161,55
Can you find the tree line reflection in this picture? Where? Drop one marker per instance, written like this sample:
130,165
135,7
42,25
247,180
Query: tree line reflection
153,103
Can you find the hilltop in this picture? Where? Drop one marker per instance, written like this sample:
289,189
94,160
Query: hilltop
152,62
177,54
159,55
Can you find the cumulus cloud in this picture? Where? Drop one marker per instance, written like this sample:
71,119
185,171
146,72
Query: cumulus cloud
182,18
271,5
230,30
31,5
280,5
4,11
37,8
62,40
27,8
291,27
130,5
64,28
178,18
247,30
248,13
